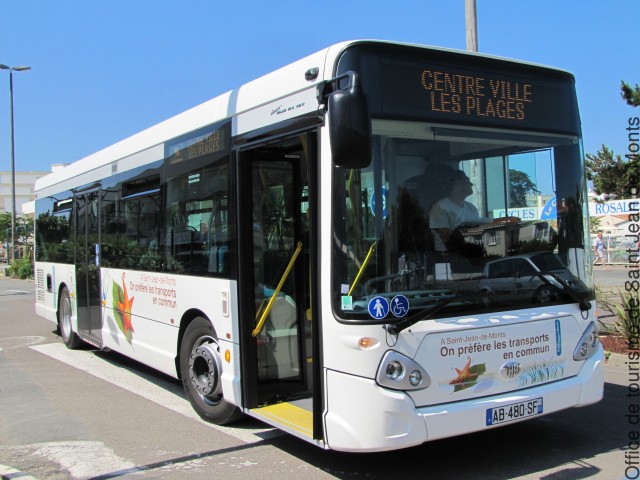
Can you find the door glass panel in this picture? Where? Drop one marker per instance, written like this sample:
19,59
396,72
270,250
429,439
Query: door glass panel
275,271
88,264
275,237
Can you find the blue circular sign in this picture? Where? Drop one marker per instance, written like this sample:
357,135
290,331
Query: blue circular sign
399,306
378,307
374,199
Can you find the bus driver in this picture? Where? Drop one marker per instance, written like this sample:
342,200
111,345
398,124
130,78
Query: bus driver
453,210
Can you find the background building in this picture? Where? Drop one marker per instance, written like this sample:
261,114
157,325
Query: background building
25,182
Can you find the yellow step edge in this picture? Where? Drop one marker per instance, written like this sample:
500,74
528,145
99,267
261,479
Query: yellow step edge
289,415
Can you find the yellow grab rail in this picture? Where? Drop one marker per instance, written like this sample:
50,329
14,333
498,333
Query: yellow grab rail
364,265
263,318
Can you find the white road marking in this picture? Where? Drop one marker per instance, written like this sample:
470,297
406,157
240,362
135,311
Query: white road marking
17,342
94,365
8,472
83,459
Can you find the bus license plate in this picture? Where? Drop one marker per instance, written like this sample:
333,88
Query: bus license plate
515,411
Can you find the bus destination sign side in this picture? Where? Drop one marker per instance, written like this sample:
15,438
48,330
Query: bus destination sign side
478,96
197,144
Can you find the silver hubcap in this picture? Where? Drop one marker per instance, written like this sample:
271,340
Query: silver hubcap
205,369
545,295
65,318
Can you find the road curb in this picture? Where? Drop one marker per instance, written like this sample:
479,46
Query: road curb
8,473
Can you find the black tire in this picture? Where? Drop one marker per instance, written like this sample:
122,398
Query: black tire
200,369
544,294
486,300
69,337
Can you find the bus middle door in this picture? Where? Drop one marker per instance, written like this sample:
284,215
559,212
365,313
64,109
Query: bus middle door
87,261
274,272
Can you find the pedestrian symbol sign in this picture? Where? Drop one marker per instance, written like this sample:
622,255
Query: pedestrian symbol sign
378,307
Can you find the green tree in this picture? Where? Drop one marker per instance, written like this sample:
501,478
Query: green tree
27,222
629,94
610,173
519,186
24,226
5,226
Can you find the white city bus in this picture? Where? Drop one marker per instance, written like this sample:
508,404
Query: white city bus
279,248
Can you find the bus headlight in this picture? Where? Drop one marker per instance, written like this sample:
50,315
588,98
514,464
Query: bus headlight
415,378
399,372
395,371
588,343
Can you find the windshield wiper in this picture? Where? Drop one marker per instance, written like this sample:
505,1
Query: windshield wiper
584,304
396,328
426,314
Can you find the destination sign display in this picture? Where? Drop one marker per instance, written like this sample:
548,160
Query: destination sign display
206,141
480,96
454,87
493,98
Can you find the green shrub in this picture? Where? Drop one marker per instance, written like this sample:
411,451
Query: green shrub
626,306
22,268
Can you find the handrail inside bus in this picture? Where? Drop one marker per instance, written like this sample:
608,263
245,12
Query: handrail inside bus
364,265
263,318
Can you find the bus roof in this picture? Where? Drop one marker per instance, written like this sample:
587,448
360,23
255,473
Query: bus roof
270,87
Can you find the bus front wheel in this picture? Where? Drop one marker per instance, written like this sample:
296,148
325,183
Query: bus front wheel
201,369
69,337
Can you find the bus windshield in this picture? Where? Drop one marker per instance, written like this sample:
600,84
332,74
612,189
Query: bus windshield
492,219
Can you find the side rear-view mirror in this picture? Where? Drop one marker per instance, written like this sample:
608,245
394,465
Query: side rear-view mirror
349,124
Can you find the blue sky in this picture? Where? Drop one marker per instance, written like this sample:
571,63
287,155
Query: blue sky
103,70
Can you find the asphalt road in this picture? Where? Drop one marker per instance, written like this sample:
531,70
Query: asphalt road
87,414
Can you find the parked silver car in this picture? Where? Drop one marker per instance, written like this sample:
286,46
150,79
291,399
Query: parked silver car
522,275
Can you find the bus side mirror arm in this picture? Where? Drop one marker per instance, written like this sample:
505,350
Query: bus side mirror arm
349,121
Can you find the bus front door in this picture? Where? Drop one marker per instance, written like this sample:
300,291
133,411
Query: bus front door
87,263
275,278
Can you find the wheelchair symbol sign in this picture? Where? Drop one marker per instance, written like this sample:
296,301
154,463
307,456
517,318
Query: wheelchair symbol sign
399,306
378,307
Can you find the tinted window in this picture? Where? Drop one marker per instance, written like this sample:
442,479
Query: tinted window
546,262
198,236
131,219
53,229
523,267
196,232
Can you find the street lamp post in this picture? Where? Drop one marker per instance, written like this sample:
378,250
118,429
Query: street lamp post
13,157
472,25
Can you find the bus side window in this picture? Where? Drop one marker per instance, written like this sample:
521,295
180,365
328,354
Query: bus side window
196,219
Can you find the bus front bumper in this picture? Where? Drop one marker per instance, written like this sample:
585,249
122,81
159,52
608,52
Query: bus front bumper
363,417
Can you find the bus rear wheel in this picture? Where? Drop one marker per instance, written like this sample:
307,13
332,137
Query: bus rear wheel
69,337
201,369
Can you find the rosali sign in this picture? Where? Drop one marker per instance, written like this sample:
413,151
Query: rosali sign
614,207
